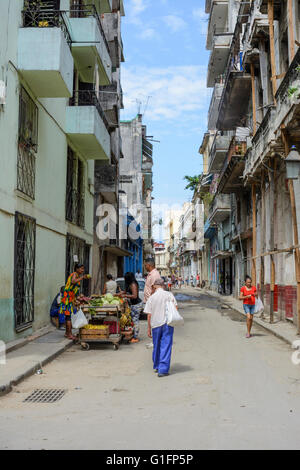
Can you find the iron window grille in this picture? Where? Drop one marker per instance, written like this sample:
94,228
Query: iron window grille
76,247
45,14
24,270
75,189
89,98
27,145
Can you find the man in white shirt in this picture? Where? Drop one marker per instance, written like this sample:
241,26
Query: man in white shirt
162,333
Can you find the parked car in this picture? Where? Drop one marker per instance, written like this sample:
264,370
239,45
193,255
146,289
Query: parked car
141,282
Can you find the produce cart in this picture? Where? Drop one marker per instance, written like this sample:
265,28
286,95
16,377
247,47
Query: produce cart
99,330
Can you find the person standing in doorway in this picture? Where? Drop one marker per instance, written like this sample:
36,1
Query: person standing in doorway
248,296
153,275
158,329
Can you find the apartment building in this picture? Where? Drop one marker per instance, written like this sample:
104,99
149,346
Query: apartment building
253,159
54,59
108,247
136,187
191,238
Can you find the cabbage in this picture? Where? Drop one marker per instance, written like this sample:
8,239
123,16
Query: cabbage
115,302
109,297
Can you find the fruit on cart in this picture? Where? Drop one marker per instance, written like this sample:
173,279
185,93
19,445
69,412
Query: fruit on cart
125,320
95,327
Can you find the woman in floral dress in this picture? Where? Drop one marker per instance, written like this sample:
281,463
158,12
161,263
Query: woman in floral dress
70,294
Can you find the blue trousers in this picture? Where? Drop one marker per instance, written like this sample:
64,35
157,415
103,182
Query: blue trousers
162,348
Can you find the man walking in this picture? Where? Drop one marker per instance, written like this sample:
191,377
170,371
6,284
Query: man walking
153,274
158,329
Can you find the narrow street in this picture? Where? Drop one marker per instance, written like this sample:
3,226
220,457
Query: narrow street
224,392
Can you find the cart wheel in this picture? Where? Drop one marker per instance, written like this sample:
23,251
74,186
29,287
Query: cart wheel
116,347
85,346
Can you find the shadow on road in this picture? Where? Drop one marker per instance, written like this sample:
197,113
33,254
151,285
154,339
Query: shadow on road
180,368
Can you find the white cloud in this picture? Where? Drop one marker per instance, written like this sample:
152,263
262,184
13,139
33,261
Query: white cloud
134,10
148,33
177,93
174,23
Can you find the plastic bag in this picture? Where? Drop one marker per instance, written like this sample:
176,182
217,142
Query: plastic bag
259,306
78,319
173,316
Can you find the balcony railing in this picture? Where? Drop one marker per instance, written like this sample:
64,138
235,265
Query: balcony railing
86,11
291,75
89,98
37,17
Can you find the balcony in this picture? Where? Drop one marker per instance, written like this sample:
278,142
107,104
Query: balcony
112,28
231,178
234,101
214,106
106,182
286,112
110,98
220,209
209,230
257,25
87,127
118,5
217,20
218,153
44,56
89,45
218,57
103,6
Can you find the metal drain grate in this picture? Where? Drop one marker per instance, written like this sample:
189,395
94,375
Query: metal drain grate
45,395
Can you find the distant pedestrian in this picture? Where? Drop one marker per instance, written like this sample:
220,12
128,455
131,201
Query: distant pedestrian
158,329
248,296
138,275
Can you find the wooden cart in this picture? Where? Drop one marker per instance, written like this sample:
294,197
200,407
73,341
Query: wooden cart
86,337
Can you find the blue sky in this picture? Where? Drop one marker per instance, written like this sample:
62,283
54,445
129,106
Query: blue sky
166,60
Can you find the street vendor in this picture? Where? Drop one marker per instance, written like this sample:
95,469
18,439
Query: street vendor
55,308
70,295
132,294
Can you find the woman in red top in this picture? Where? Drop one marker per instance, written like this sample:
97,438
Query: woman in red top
248,295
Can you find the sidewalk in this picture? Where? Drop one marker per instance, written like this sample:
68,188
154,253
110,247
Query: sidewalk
32,356
283,330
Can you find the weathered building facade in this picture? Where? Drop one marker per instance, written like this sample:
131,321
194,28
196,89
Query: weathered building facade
254,120
55,58
136,191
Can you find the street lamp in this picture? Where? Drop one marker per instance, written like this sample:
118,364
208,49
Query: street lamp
293,164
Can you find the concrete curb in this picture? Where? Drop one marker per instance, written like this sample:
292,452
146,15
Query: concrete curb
7,388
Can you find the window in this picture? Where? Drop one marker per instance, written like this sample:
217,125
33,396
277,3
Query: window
75,189
77,249
28,140
24,269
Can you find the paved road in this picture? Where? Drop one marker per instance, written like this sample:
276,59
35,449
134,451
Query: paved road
225,392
